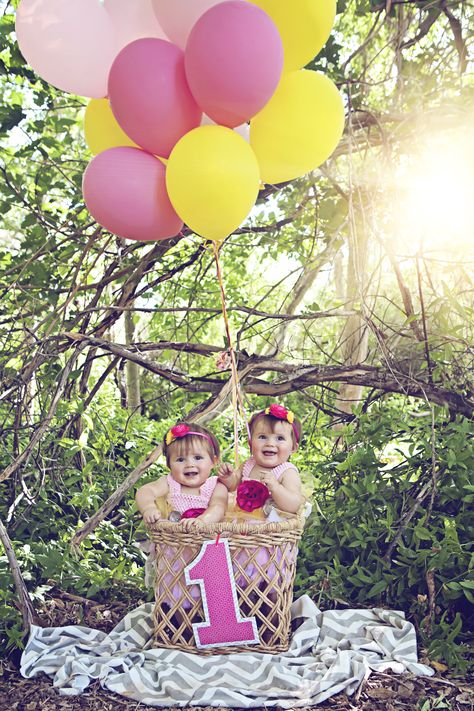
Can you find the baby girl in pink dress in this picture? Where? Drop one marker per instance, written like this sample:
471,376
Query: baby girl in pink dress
191,453
274,434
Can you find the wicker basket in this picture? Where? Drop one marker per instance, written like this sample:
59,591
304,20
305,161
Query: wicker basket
264,562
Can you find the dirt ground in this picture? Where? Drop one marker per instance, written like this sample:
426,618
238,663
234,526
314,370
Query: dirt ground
381,691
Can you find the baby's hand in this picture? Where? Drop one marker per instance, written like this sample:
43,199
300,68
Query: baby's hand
151,514
187,524
224,471
269,479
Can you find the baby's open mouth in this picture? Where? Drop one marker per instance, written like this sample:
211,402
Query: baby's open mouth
190,474
268,453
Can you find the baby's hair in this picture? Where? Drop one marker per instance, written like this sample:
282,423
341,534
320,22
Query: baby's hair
271,421
182,445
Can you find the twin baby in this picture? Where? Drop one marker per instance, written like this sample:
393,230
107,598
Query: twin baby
192,452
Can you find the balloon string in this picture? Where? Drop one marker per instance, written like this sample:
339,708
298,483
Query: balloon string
237,402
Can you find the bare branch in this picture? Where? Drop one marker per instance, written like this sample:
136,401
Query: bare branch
299,377
24,602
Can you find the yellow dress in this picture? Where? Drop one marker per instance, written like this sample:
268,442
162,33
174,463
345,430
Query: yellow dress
235,514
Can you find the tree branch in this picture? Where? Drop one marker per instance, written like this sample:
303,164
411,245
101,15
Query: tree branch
459,40
297,377
24,602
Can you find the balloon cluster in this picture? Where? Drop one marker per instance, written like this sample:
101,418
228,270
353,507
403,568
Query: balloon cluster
173,86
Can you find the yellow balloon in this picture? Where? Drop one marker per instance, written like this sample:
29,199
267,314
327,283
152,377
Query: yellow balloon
299,128
213,180
101,129
304,26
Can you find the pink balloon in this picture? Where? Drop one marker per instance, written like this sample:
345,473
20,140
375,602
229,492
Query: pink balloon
132,20
177,17
72,43
125,192
150,97
233,60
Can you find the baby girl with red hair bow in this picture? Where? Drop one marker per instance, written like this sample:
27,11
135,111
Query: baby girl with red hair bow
274,435
191,453
190,493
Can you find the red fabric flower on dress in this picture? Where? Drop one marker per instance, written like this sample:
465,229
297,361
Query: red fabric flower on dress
251,495
192,513
176,432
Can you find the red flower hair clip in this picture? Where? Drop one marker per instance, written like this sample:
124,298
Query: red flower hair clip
182,430
177,432
280,412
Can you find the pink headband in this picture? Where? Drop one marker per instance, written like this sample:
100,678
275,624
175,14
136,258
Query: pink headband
281,413
179,431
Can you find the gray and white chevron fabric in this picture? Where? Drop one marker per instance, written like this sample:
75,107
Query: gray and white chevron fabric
330,652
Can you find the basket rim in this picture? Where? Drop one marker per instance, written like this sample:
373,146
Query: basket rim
294,524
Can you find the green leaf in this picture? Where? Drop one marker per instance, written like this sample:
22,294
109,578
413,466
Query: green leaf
376,589
9,118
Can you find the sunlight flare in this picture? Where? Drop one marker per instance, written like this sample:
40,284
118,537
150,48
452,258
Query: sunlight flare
434,193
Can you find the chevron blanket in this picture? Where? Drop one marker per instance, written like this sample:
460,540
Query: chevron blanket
330,652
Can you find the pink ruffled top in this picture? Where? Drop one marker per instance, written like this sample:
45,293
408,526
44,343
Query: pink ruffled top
277,471
180,501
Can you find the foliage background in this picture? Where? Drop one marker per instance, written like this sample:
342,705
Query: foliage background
350,294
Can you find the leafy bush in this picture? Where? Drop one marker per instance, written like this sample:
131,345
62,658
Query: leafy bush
367,491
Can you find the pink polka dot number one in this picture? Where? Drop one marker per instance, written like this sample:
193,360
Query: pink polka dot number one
223,625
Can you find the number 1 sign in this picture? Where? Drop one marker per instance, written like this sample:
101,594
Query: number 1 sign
223,625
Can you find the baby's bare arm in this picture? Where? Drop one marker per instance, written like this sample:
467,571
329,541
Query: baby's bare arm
146,496
286,493
215,512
